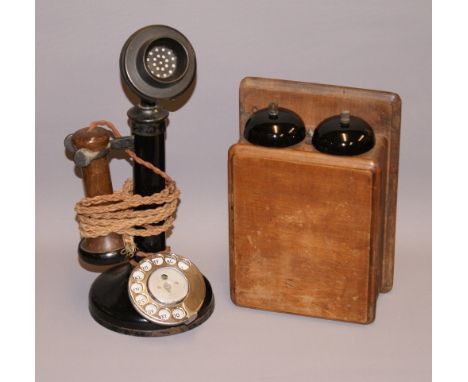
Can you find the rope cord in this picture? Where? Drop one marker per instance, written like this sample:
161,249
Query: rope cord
117,213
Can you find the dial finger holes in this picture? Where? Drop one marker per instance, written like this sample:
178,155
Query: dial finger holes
159,286
136,288
138,275
141,299
158,260
146,266
151,309
170,260
164,314
178,313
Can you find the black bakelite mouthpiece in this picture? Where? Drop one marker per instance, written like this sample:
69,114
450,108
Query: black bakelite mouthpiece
274,127
343,135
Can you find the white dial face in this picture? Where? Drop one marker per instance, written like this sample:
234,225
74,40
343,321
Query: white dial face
166,289
168,285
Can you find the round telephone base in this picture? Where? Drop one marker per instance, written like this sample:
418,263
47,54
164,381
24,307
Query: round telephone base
105,258
110,306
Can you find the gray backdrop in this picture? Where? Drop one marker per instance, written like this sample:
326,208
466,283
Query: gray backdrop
372,44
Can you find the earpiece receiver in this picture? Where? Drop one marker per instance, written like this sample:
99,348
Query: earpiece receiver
90,150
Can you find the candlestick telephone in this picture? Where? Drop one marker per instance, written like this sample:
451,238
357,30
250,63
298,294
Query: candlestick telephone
148,290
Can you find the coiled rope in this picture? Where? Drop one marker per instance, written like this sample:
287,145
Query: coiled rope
118,212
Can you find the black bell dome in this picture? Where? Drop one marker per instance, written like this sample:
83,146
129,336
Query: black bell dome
343,135
274,127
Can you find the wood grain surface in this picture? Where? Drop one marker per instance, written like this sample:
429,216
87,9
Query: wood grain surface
312,233
97,181
314,103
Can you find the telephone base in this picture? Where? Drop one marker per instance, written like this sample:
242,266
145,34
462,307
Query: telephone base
110,306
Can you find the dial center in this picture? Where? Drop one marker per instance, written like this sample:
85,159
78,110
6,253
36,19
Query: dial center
168,285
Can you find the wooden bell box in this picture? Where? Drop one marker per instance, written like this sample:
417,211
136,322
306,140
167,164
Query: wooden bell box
313,233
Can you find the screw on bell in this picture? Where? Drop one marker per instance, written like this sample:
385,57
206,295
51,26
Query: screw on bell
273,110
345,118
